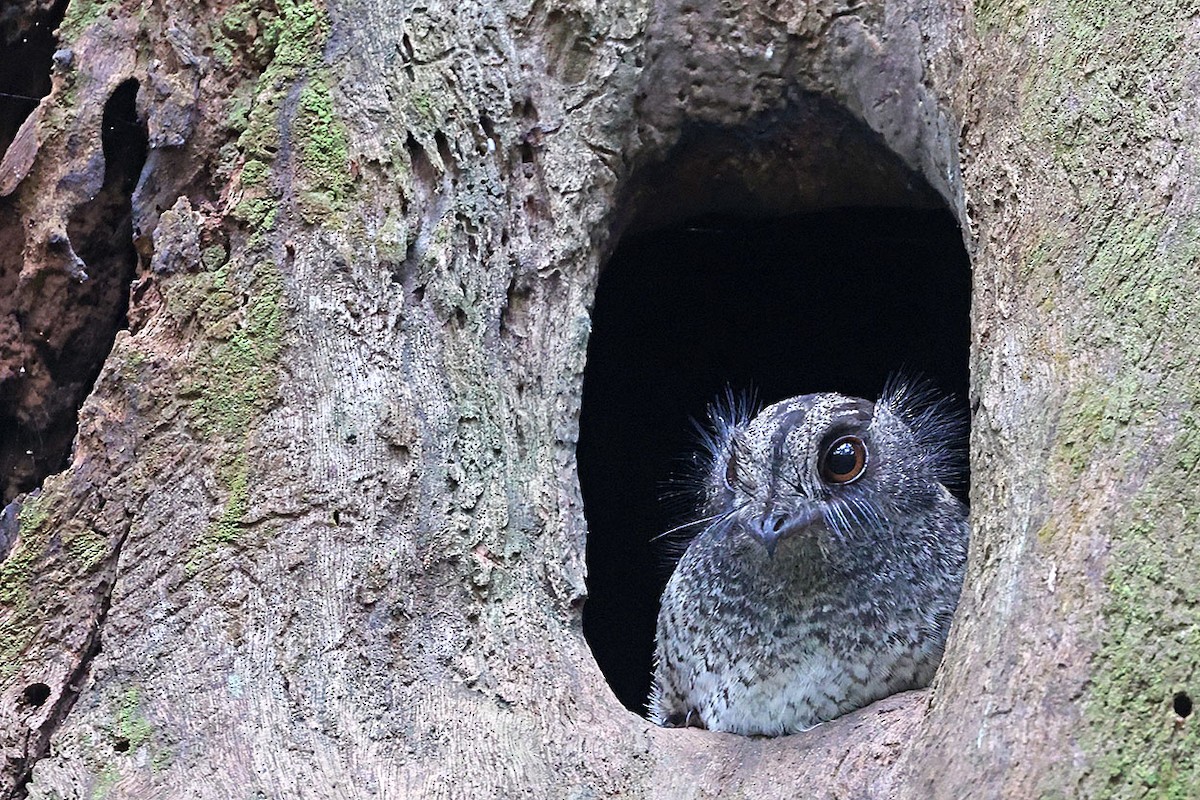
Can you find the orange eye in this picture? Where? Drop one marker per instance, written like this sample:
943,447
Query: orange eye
844,460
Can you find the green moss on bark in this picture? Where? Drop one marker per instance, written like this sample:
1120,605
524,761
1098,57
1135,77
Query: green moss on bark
53,554
324,153
299,31
86,549
235,373
130,727
993,15
1141,747
80,15
17,574
1129,423
235,378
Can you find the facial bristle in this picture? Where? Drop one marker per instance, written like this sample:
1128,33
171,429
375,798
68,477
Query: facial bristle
938,422
684,492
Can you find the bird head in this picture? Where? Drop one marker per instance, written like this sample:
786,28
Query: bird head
831,467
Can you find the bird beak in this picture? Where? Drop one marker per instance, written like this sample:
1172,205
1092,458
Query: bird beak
773,526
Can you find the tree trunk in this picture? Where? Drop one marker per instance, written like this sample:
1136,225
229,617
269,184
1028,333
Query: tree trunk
321,534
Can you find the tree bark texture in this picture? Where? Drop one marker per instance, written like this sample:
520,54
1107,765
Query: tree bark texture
321,533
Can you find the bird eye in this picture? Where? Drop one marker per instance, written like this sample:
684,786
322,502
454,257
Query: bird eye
731,467
844,460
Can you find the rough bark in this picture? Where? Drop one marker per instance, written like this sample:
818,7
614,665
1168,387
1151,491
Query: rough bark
321,534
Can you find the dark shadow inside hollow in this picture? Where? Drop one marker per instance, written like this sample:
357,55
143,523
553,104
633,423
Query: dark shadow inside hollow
63,327
766,301
27,45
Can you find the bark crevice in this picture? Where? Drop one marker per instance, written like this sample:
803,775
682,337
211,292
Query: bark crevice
57,349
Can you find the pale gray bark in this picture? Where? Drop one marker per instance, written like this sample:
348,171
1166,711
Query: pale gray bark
322,513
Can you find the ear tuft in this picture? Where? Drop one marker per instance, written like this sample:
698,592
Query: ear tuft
938,422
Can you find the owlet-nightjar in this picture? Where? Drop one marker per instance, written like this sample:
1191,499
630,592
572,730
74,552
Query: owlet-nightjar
827,566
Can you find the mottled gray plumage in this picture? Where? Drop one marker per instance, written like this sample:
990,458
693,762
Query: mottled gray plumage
819,581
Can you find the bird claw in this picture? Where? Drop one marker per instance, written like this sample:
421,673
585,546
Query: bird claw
681,720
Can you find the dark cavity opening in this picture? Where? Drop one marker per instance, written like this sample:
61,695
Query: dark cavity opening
35,695
1182,705
61,328
27,45
795,257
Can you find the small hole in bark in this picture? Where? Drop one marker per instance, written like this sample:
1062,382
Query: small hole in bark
1182,705
444,151
35,695
407,54
737,256
121,744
